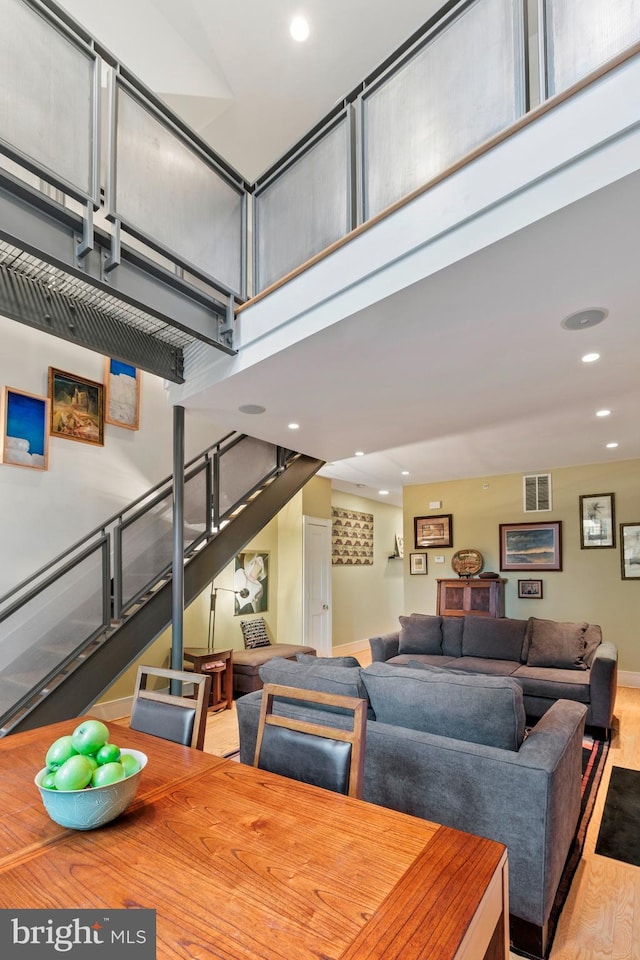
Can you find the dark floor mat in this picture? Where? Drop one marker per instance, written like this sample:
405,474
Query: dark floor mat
619,836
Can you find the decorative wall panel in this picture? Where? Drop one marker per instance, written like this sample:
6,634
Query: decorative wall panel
351,537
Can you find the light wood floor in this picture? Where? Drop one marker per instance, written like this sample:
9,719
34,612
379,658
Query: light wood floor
601,919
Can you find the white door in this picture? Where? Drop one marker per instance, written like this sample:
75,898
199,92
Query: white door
316,578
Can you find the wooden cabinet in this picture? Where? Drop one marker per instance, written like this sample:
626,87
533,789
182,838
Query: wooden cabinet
480,598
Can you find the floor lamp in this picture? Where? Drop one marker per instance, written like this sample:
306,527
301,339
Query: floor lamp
212,613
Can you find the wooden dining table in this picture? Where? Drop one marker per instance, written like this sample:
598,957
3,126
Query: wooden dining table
241,864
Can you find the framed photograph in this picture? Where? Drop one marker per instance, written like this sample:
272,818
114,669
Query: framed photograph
251,582
77,408
597,520
530,589
26,430
433,531
121,394
531,546
630,550
417,564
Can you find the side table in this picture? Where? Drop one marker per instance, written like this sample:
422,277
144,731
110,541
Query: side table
218,664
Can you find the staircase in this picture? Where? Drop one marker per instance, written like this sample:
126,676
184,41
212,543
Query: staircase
85,618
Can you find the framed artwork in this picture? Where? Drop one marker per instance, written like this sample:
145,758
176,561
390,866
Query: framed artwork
77,408
530,589
531,546
417,564
399,547
251,582
597,520
433,531
121,394
351,537
26,430
630,550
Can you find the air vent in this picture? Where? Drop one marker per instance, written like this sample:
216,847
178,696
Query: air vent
536,493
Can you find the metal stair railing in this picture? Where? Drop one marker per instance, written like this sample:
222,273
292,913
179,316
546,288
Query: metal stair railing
55,618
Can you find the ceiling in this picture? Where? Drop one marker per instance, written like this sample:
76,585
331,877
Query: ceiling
456,376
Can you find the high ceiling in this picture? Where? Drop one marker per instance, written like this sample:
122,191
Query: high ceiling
452,377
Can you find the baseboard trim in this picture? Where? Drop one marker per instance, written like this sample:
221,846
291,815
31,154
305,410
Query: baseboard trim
346,649
628,678
112,709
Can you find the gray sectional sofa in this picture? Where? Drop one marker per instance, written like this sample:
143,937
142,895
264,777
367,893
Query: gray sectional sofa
450,747
550,660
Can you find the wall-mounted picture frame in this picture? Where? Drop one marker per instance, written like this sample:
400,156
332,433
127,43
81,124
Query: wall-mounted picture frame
121,394
597,521
530,589
630,550
399,546
433,531
531,546
418,564
251,582
25,419
77,408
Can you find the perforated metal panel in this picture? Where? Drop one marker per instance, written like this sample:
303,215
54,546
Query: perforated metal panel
47,96
465,85
243,465
305,209
582,34
165,190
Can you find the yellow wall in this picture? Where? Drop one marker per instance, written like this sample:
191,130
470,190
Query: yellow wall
367,600
589,587
316,498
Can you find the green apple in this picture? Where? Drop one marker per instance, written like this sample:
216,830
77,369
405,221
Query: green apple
48,781
89,736
91,757
107,773
130,764
74,774
108,753
59,751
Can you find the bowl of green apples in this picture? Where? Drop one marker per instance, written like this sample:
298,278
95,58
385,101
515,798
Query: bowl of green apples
88,781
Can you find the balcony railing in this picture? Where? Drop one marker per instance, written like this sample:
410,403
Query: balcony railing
471,72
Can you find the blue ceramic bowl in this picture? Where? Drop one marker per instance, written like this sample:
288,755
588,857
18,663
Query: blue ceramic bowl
93,806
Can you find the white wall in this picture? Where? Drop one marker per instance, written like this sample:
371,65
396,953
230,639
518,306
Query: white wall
42,512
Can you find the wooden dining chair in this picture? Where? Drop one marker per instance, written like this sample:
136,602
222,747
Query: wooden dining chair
324,756
179,718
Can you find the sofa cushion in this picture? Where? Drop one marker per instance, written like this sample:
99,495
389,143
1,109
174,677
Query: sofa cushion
493,638
554,684
310,676
420,633
488,665
436,660
452,636
554,644
328,661
479,709
592,640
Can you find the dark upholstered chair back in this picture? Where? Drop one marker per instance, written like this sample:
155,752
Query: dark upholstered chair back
324,756
178,718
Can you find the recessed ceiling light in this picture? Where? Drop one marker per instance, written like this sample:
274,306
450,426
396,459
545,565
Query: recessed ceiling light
294,426
359,453
299,29
584,319
383,493
611,446
590,357
251,408
405,473
603,413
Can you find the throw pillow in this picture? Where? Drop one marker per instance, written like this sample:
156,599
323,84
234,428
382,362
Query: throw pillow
327,661
254,633
420,633
553,644
475,708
